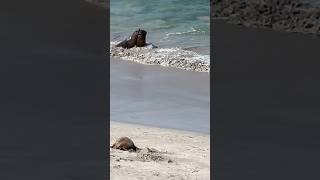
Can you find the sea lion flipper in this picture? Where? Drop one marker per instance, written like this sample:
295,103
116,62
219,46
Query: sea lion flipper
123,149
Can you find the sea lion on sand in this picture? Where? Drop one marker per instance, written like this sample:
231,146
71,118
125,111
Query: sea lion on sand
125,144
138,38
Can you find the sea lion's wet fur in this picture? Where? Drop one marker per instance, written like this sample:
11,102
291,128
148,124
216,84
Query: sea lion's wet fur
141,39
130,42
138,38
125,144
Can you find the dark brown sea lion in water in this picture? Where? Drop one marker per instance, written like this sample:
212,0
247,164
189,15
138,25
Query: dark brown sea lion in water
141,40
130,42
138,38
125,144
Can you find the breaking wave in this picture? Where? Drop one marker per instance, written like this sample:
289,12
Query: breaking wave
191,31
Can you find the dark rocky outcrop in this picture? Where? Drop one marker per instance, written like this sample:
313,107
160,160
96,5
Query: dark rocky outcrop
281,15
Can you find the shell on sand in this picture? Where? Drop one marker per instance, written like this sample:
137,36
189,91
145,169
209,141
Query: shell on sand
124,143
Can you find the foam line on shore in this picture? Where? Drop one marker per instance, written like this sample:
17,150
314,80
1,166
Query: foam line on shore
169,57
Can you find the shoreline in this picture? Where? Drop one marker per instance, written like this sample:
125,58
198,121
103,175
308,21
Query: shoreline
175,57
159,128
162,127
180,154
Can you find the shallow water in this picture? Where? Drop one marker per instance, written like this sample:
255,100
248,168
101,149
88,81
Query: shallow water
169,23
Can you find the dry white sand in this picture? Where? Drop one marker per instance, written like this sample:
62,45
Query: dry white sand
174,154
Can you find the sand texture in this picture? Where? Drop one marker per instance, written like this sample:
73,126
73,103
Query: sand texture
164,154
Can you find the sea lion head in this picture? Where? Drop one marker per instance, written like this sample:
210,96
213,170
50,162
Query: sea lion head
130,42
135,33
134,36
124,143
138,38
141,37
141,32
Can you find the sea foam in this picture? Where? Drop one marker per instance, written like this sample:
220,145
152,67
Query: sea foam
169,57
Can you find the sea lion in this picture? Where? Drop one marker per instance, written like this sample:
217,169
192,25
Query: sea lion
138,38
141,39
125,144
130,42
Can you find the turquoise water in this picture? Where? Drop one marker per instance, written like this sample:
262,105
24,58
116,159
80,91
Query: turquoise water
169,23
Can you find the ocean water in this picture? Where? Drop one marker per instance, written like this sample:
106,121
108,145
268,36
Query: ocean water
170,24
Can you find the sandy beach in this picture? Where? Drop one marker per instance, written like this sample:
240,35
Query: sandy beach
160,97
166,112
175,154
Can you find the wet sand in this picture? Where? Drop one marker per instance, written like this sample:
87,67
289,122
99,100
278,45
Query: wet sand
159,96
175,154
